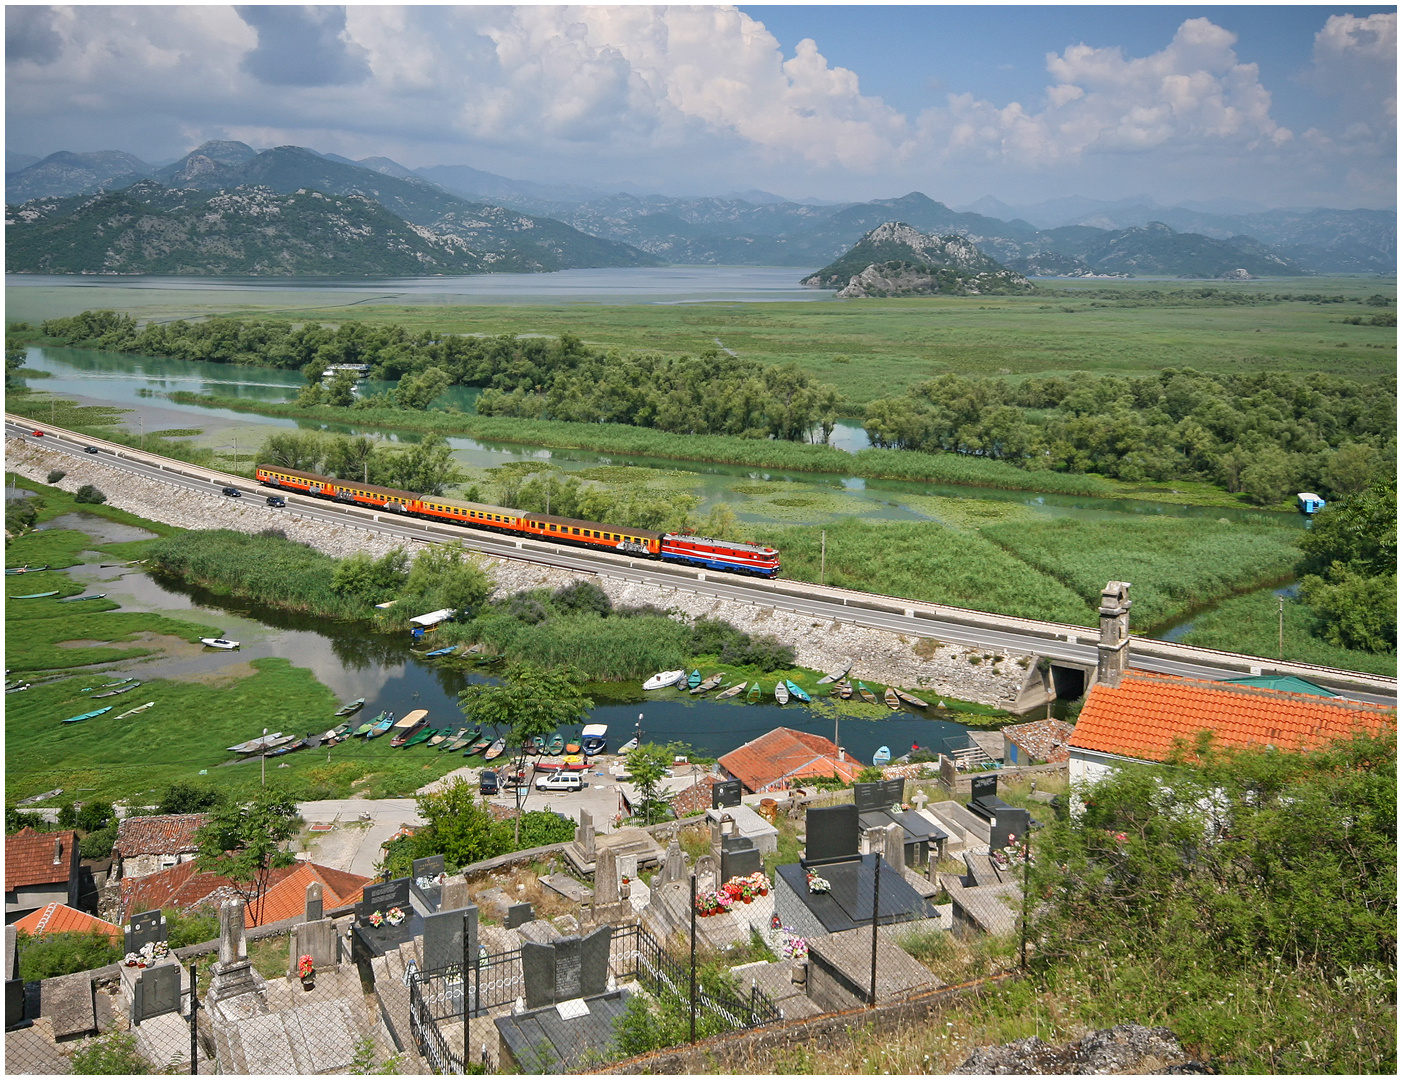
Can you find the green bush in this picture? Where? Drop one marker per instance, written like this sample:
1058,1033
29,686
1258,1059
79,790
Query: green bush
98,843
113,1054
48,955
184,797
56,475
94,816
191,927
89,494
541,827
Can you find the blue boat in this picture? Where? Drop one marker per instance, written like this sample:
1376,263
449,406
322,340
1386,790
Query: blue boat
797,691
694,679
881,757
34,595
90,596
88,715
441,652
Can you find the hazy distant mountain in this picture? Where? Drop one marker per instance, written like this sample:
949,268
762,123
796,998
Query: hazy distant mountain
895,259
14,162
1158,250
64,173
473,183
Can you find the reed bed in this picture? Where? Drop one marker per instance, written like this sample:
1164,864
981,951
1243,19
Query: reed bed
609,649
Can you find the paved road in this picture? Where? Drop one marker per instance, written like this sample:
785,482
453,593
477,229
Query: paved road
827,604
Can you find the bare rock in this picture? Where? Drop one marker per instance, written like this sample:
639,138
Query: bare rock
1123,1049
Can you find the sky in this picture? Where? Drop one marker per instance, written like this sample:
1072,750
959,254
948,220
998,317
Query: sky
1274,105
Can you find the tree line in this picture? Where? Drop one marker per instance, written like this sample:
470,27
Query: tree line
1265,434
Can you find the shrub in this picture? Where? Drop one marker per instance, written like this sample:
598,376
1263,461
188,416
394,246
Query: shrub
56,475
183,797
67,816
48,955
582,596
541,827
113,1054
190,928
94,816
89,494
98,843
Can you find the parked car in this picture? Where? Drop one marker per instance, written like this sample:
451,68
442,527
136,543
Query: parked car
487,784
37,432
233,492
89,449
276,500
560,781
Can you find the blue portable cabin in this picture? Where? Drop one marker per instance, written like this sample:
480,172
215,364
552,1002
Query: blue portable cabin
1310,503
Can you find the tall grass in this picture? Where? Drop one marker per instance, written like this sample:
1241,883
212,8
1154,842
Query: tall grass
925,561
1174,564
609,649
974,471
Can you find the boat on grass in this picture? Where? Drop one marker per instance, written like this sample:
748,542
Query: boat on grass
797,691
90,596
119,690
731,691
260,743
364,729
709,683
88,715
424,734
477,747
350,707
408,727
219,643
381,727
892,701
594,739
865,694
456,741
881,757
134,712
781,693
694,679
35,595
495,750
25,569
754,694
663,678
340,731
836,676
910,699
842,690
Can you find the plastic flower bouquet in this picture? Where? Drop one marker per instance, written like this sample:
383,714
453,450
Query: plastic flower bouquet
305,967
377,918
793,947
818,884
394,916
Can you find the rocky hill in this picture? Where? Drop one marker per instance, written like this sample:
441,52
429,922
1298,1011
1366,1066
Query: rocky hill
895,259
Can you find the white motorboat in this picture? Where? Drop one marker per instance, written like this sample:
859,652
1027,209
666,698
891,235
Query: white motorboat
664,678
629,746
593,739
219,643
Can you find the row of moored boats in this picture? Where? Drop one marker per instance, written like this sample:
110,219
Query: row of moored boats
784,690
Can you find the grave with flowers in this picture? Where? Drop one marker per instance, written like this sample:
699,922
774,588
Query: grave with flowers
384,920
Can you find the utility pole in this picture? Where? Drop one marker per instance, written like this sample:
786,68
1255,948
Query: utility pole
875,922
1280,641
823,560
693,956
263,760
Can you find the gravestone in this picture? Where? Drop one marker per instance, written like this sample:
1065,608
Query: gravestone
739,857
881,795
725,793
627,867
833,832
318,940
983,789
584,835
454,895
429,867
1009,821
369,940
444,934
920,799
894,847
605,877
312,911
567,969
232,974
707,873
674,865
427,876
517,914
949,772
381,897
145,928
156,991
14,985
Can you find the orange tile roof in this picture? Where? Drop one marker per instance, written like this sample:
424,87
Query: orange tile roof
288,898
35,858
159,834
62,919
781,754
1143,716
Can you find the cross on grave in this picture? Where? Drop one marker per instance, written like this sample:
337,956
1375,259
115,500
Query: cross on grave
920,799
145,928
567,969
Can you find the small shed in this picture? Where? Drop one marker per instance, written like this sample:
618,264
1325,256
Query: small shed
1039,742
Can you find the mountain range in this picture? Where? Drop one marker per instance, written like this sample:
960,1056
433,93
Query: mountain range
895,260
563,225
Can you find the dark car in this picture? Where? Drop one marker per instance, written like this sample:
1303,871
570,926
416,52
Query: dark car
487,785
89,449
233,492
276,500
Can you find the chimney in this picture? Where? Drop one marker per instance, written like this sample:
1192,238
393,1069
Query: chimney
841,754
1113,647
58,851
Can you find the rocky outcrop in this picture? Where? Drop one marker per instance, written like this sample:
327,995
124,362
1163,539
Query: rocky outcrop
1123,1049
895,259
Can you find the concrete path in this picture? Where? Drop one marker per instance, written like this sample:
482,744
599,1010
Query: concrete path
354,845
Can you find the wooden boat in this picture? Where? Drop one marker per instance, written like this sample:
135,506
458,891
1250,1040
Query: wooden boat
571,748
594,738
731,691
89,715
364,729
632,744
289,748
260,743
694,679
90,596
709,683
537,744
26,569
15,688
119,690
440,738
350,707
663,678
781,693
219,643
836,676
478,747
412,723
495,750
892,702
381,727
488,661
422,735
129,678
440,652
911,699
134,712
865,694
882,756
455,742
340,731
797,691
754,694
282,740
556,745
35,595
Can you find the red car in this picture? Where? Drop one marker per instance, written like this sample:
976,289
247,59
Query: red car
38,433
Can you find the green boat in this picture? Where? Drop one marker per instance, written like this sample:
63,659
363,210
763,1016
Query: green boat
440,738
477,747
865,694
422,735
556,745
88,715
537,744
350,707
364,729
456,743
90,596
754,694
694,679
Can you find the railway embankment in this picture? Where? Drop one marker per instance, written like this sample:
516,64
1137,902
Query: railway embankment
988,676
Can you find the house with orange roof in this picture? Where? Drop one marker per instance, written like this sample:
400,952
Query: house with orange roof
1142,716
288,898
785,757
40,869
146,845
62,919
185,888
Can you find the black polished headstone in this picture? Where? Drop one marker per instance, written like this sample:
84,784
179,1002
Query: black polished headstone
739,857
429,866
725,793
570,968
1009,821
14,1003
444,934
594,961
155,992
517,914
881,795
833,833
145,927
381,897
983,788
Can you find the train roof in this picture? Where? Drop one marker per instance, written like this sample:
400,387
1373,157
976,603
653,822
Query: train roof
317,478
580,523
463,504
734,545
